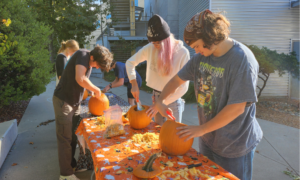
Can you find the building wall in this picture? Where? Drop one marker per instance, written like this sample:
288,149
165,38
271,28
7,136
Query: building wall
270,23
186,11
168,10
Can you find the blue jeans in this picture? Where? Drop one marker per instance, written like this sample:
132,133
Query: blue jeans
241,167
177,108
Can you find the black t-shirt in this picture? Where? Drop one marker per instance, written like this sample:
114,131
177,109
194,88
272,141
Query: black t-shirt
68,89
60,63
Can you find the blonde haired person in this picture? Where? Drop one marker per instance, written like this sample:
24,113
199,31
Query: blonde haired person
66,50
165,56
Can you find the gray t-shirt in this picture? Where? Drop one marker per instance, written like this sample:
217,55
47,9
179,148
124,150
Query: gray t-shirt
221,81
68,89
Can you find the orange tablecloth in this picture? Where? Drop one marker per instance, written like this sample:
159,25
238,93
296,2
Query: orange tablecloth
115,158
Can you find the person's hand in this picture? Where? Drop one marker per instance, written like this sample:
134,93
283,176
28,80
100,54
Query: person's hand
190,132
162,109
135,92
97,93
151,112
107,88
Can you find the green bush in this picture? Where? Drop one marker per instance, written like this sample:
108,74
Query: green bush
270,61
25,68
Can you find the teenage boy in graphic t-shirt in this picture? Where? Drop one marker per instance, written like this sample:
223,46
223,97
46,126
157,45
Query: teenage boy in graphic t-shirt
225,75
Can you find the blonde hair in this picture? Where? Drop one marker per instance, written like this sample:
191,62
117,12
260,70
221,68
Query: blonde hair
72,44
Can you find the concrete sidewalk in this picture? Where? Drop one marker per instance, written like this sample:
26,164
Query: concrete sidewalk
278,150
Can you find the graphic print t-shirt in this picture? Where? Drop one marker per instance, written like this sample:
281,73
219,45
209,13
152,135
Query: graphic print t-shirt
221,81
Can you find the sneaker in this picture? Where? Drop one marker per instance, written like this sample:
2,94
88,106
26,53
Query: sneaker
72,177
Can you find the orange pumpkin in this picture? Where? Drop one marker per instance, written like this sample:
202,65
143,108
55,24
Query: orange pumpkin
85,94
147,171
98,105
170,142
125,117
138,119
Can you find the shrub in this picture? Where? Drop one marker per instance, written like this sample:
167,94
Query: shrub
24,58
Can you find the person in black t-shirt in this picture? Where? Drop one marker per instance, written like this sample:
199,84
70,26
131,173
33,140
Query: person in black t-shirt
68,96
121,79
66,50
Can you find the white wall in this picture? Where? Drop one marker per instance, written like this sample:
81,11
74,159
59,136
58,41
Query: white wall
269,23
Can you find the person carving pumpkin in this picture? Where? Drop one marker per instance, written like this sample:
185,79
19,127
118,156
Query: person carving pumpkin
165,56
225,74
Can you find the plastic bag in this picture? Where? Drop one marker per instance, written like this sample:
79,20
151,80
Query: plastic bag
113,122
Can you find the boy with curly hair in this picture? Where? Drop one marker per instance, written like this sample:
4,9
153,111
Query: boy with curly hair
225,73
68,96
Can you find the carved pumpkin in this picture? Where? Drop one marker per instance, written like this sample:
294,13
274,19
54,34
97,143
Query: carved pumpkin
125,118
85,94
98,105
170,142
147,171
138,119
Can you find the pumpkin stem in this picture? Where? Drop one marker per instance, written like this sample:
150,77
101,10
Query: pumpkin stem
149,163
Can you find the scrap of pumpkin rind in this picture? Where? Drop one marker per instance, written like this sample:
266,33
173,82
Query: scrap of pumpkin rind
163,176
169,172
177,177
169,164
119,172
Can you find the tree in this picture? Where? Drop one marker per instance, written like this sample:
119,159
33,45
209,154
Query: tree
69,19
25,68
270,61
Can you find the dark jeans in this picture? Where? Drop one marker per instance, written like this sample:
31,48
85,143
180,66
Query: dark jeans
64,115
75,120
241,167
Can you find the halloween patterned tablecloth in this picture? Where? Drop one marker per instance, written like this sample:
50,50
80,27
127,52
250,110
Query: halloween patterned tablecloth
115,158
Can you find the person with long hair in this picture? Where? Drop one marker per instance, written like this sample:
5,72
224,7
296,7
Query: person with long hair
165,56
225,74
67,49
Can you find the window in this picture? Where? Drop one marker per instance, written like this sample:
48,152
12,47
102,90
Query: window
295,47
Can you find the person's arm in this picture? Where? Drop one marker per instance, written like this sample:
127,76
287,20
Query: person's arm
224,117
116,83
169,89
139,57
84,82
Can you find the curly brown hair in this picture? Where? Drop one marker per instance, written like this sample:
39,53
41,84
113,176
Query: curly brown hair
102,56
215,29
212,29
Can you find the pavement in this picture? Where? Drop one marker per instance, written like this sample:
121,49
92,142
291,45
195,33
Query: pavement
35,149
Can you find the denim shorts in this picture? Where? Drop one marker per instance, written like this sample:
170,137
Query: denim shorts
241,167
176,106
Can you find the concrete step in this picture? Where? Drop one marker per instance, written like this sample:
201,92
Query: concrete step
8,135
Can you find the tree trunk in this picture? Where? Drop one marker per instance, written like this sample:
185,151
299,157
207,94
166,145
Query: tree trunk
265,83
51,49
